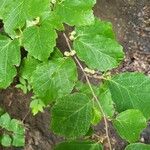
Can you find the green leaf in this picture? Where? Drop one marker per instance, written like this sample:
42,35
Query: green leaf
131,90
22,10
97,116
56,54
129,124
106,101
37,7
138,146
72,115
103,94
54,79
99,27
84,88
90,132
28,66
5,120
22,81
99,51
53,20
16,127
36,105
22,87
4,7
1,111
6,140
75,12
78,146
9,56
18,140
13,125
39,41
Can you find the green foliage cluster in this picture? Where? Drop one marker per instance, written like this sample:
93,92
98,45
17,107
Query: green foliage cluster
53,76
13,131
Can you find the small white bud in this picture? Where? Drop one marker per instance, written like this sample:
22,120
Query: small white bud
73,52
72,38
89,70
68,54
73,33
53,1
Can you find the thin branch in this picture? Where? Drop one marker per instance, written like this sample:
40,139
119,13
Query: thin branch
93,93
24,118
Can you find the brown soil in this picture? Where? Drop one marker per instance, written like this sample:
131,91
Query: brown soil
132,26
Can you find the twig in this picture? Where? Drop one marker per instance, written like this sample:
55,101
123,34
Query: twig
25,116
93,93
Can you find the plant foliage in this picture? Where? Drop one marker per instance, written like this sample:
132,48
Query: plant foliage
76,106
13,131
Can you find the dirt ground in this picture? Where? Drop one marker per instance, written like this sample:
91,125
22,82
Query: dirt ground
131,20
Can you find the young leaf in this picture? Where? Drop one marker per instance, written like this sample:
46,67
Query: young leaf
81,10
22,87
98,51
131,90
129,124
97,116
22,81
20,11
16,127
138,146
18,140
9,56
5,120
37,105
54,79
39,41
75,145
72,115
6,140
